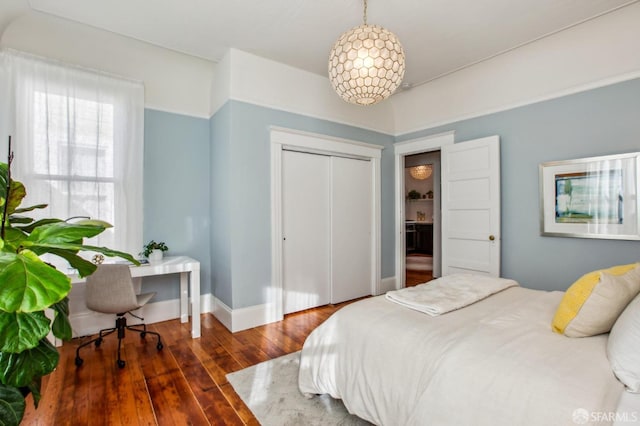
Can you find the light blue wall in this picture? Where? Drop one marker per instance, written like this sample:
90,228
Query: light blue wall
598,122
247,137
221,175
177,193
220,131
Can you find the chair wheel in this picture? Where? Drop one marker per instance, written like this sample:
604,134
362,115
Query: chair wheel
121,363
159,346
98,342
79,361
143,334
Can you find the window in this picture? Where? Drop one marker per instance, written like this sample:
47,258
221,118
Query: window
79,145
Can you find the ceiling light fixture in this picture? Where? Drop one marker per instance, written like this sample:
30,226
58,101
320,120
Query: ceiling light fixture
421,172
366,65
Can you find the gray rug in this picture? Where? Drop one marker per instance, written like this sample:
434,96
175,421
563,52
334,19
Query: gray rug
270,390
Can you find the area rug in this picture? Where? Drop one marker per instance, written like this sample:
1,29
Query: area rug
419,263
270,390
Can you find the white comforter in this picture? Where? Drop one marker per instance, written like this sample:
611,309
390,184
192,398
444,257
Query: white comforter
495,362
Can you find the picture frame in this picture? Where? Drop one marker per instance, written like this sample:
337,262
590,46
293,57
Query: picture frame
593,197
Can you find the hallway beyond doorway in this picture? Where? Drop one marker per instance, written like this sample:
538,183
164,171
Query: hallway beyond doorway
419,269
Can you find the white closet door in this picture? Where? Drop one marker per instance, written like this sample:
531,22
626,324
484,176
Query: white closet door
351,219
306,230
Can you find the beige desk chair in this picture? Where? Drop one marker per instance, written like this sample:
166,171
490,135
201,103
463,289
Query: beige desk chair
110,291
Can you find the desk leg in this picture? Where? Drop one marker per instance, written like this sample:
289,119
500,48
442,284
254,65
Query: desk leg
195,303
184,297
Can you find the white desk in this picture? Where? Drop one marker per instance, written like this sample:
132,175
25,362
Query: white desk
189,270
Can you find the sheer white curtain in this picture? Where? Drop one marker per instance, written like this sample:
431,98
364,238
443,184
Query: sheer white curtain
78,143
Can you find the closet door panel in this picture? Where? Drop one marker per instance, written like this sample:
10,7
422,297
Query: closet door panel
306,230
351,220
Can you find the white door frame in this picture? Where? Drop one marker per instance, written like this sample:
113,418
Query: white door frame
282,139
401,150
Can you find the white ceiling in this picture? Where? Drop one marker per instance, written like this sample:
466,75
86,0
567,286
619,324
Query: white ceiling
439,36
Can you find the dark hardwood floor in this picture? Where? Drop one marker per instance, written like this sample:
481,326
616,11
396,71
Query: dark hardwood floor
184,384
414,277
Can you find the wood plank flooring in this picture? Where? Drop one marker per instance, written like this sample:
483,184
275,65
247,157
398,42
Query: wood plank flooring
184,384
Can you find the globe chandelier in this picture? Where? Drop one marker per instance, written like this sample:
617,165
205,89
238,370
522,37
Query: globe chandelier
421,172
366,64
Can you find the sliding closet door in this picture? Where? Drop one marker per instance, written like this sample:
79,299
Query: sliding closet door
351,219
306,230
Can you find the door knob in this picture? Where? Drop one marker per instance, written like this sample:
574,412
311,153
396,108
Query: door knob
491,238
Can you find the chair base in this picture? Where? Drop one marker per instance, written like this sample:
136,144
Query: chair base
120,328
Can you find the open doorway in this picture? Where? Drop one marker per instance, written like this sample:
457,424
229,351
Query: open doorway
422,204
430,144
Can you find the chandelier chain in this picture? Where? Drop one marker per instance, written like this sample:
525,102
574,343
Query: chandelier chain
364,14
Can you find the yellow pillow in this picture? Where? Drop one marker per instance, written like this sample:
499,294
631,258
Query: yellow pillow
593,303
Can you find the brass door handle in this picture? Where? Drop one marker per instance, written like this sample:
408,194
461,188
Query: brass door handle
491,238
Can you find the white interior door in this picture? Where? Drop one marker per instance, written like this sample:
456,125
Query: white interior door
471,207
351,219
306,230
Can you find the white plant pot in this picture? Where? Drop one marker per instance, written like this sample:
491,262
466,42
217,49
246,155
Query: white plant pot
155,256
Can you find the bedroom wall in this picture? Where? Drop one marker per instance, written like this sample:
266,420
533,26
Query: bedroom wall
176,175
249,95
173,81
245,77
176,193
241,200
595,53
596,122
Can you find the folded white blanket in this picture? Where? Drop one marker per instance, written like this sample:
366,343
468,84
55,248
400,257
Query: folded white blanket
449,293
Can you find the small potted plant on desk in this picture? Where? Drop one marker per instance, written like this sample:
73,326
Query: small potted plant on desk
154,251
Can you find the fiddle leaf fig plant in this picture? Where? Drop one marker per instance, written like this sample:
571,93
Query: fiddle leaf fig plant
29,286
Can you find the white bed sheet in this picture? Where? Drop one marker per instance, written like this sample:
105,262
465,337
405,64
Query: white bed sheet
495,362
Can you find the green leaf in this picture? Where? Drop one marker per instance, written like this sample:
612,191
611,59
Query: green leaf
13,219
22,331
61,326
110,253
83,266
31,208
93,222
28,229
62,232
12,406
23,369
77,247
35,387
14,237
17,194
4,179
29,284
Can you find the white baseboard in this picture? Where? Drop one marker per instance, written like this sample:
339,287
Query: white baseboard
85,322
387,284
88,322
244,318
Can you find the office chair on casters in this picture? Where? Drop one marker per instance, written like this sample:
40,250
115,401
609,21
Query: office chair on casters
110,291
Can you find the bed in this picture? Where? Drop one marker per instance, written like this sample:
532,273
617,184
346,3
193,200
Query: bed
493,362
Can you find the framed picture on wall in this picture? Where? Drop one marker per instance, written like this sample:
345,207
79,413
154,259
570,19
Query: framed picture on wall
591,197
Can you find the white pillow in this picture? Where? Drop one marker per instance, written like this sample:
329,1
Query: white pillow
623,347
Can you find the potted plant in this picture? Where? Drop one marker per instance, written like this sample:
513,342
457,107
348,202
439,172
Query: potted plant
413,195
154,251
29,286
